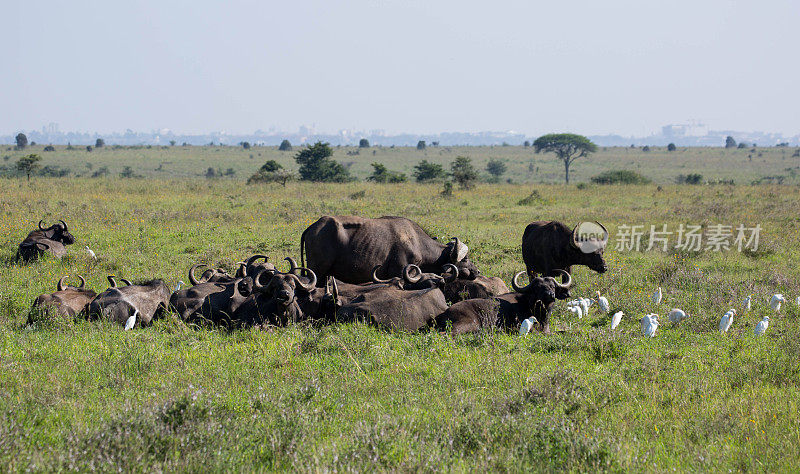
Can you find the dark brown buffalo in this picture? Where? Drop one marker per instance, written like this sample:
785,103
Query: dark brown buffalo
392,308
349,248
508,310
53,239
253,267
67,301
549,246
212,301
458,289
146,300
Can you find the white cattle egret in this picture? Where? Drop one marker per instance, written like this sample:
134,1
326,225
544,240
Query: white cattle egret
761,327
797,301
726,320
776,301
677,315
90,252
526,326
131,321
649,325
576,310
747,303
616,319
573,303
588,301
585,307
657,296
178,286
602,301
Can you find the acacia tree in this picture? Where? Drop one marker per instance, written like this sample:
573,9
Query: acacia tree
22,141
27,164
568,147
316,164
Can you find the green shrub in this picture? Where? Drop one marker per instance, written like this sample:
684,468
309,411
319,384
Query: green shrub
620,177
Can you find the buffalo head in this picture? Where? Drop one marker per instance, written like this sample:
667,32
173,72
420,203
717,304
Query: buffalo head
58,232
541,293
594,258
456,252
414,278
284,288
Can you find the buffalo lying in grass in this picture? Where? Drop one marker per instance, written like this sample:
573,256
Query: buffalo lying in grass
214,299
53,240
147,300
68,301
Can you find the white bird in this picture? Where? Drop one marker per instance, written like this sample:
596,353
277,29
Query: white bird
588,301
178,286
573,303
747,303
761,327
726,321
649,325
90,252
585,306
615,319
526,326
576,310
657,296
677,315
603,302
776,301
797,301
131,321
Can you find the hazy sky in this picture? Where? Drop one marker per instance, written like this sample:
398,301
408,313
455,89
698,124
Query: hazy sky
591,67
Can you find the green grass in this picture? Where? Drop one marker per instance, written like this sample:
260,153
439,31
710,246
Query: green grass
79,395
523,165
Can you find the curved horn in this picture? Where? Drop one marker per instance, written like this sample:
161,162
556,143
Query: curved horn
60,285
112,281
515,285
242,268
568,284
257,283
574,239
375,278
460,250
66,229
256,257
407,273
334,289
453,270
192,278
83,282
40,224
604,229
127,283
306,286
292,264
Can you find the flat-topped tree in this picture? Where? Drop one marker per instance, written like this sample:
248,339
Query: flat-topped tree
568,147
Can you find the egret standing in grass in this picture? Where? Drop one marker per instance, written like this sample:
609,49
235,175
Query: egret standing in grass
615,319
747,303
797,301
657,296
677,315
603,303
131,321
585,306
526,326
178,286
649,325
90,252
776,301
576,310
726,320
761,327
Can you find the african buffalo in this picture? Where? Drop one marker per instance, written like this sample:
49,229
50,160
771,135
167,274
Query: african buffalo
53,239
67,301
350,247
147,300
508,310
250,267
393,308
458,289
548,246
212,300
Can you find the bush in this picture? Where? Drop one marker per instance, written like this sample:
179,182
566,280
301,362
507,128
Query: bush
421,145
742,145
271,172
463,172
694,178
495,168
620,177
425,171
730,142
246,145
671,147
316,165
99,143
382,175
127,172
363,143
646,148
22,141
101,172
285,146
49,148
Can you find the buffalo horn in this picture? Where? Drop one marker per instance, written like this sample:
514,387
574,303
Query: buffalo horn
565,285
407,273
192,278
375,278
242,268
605,238
112,281
83,281
461,250
292,264
574,238
40,225
127,283
515,285
256,257
306,286
60,286
452,270
66,229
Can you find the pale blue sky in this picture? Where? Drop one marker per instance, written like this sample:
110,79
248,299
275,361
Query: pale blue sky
592,67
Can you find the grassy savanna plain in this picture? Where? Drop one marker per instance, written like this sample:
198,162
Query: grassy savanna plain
76,395
743,166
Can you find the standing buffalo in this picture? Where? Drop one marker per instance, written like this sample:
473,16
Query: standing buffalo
53,239
508,310
349,248
68,301
548,246
146,300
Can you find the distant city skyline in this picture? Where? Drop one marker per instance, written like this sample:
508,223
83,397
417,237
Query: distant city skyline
413,67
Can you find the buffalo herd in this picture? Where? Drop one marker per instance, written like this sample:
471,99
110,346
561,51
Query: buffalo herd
386,271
